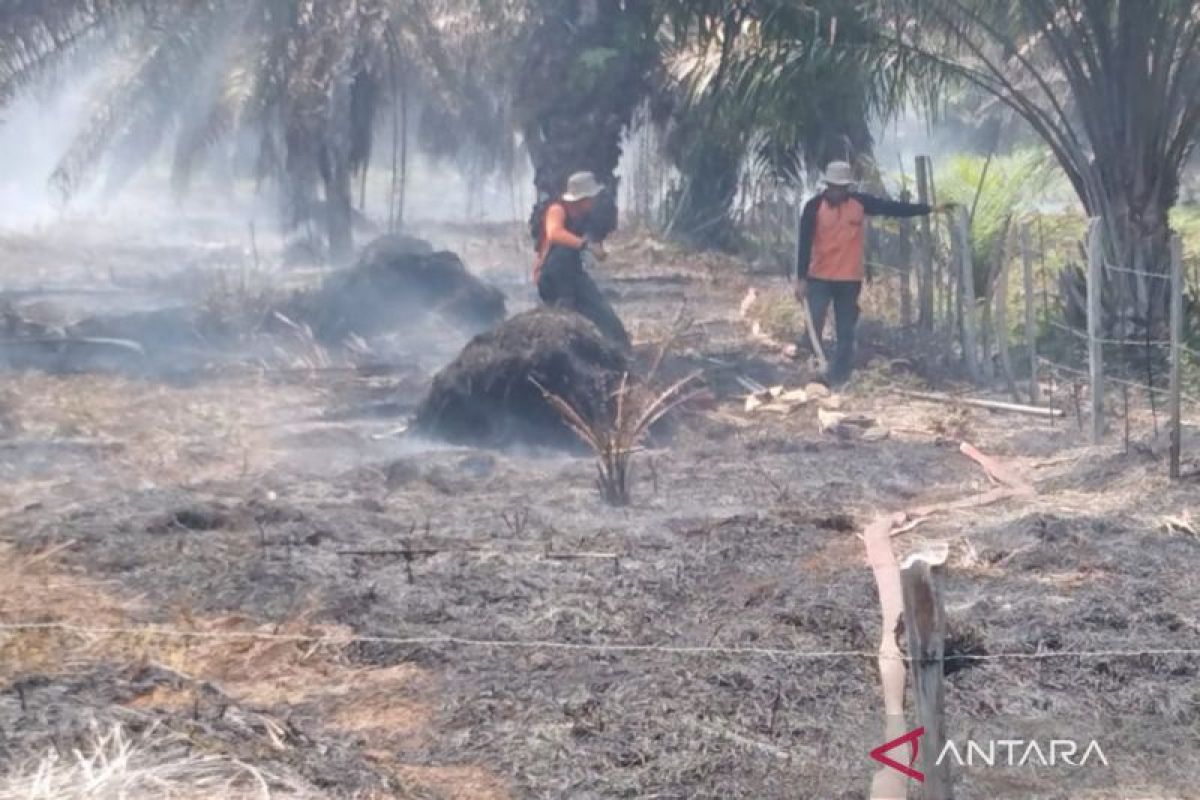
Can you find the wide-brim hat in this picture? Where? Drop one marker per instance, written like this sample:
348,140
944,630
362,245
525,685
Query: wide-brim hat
838,173
582,186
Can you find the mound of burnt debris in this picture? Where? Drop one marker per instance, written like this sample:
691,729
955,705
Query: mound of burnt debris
398,281
490,394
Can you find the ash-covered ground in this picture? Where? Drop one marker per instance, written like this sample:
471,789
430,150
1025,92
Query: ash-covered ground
355,596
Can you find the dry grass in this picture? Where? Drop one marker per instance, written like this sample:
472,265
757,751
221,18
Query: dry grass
263,672
778,314
391,705
134,434
156,765
32,589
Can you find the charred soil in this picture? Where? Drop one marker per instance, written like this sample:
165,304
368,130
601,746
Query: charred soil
362,614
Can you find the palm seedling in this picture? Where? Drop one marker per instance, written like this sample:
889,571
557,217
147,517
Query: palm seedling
616,439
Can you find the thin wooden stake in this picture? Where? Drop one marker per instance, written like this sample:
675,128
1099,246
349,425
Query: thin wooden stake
925,280
1176,355
1076,390
1095,311
1035,389
1001,319
925,627
906,270
970,328
1125,403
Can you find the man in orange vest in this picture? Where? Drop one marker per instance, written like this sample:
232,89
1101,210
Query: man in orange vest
829,257
561,243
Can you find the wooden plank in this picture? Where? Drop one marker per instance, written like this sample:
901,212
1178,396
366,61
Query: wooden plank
1027,289
1176,355
1095,311
925,627
887,783
925,303
991,405
966,282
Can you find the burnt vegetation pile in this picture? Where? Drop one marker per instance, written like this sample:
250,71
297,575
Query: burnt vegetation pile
396,285
490,394
397,282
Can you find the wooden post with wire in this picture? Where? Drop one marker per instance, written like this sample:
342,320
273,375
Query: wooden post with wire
1176,355
1095,311
906,270
966,281
925,304
1035,389
925,628
1001,320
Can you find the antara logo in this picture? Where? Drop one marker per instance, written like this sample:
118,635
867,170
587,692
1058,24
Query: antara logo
992,753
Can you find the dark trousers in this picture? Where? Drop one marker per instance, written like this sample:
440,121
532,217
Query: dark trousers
565,284
843,296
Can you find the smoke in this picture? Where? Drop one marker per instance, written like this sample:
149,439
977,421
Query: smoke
35,132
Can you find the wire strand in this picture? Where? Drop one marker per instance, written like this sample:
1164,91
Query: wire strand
593,647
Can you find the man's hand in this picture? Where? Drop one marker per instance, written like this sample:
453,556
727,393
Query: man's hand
597,249
801,290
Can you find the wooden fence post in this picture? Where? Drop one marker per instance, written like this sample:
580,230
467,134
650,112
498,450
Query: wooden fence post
966,282
1176,354
925,276
1002,285
925,628
1095,311
906,266
1035,389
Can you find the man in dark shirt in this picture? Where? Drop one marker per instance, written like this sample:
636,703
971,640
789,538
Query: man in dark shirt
558,271
829,257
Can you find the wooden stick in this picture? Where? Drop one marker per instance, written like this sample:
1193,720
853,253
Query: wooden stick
1002,323
580,556
925,627
906,313
1095,310
1035,390
925,286
970,328
1176,355
814,336
99,341
992,405
995,469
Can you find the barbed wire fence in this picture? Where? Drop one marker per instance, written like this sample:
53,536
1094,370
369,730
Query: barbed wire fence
1111,344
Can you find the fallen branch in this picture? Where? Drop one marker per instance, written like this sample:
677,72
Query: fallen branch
991,405
580,556
1012,486
95,341
997,471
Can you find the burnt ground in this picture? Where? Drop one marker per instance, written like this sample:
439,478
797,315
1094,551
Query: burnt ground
244,507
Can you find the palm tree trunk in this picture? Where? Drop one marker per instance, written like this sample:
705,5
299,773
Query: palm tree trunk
339,203
584,76
710,170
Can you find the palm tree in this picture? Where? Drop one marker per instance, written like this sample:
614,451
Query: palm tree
1108,85
780,86
309,81
586,70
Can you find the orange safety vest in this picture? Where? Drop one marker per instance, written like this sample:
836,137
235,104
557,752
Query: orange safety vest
838,242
